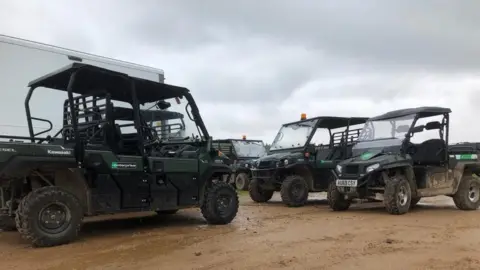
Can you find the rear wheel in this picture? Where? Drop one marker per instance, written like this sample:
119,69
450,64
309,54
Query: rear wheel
257,193
242,181
467,196
220,204
397,195
294,191
336,200
49,216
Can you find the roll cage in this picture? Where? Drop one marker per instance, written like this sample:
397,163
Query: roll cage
331,122
419,113
91,112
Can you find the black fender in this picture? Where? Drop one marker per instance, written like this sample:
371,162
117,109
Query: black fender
244,170
304,170
207,177
20,166
404,168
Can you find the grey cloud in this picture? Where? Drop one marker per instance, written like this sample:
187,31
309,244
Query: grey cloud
432,34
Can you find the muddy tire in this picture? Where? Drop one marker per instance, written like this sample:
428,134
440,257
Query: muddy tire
242,181
397,195
294,191
49,216
167,212
257,193
335,199
467,196
7,223
220,204
414,202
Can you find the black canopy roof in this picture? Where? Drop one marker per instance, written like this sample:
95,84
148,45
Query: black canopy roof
121,113
333,122
91,79
421,111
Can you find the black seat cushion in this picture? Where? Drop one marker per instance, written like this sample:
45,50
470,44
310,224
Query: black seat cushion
430,152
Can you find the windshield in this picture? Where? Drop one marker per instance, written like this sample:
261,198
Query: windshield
293,135
249,148
394,128
172,123
383,133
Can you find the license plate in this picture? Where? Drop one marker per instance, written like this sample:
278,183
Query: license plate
346,183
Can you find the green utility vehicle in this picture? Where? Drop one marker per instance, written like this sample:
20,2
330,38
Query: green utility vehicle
294,166
388,166
241,154
108,158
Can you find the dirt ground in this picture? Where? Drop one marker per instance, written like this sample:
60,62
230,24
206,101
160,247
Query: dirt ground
268,236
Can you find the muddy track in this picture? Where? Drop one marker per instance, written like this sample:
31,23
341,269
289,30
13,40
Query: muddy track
268,236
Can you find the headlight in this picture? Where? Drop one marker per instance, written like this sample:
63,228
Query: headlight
372,168
339,169
246,165
285,162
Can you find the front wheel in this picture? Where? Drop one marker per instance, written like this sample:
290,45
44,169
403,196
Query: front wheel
242,181
336,200
259,194
467,196
397,196
220,204
294,191
49,216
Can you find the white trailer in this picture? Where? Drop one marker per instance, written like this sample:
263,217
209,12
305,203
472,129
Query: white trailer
22,61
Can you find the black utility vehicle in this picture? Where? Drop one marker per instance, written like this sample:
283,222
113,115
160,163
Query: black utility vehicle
242,155
386,164
296,167
108,158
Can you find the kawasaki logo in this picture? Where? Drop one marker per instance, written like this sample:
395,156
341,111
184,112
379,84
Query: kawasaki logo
123,165
60,152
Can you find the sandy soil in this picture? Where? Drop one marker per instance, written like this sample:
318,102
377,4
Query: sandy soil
268,236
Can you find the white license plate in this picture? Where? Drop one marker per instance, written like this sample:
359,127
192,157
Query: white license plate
346,183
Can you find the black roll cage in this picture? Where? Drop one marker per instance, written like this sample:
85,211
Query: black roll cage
329,123
73,71
443,131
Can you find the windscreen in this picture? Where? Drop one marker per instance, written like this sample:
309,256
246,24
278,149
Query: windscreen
293,135
248,149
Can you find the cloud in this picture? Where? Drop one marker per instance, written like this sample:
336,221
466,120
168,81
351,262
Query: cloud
254,65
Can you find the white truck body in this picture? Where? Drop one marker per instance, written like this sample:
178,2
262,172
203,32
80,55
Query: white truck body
22,61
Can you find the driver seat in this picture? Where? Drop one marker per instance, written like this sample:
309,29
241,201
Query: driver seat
430,152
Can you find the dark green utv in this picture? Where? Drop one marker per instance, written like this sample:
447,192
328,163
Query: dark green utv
294,166
386,165
108,157
241,154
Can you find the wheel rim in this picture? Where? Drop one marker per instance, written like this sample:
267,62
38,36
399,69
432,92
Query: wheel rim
54,218
402,196
240,182
298,191
224,204
474,193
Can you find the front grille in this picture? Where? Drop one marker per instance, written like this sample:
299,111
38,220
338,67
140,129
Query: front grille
266,164
351,169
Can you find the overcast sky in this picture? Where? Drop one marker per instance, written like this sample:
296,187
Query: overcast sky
253,65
